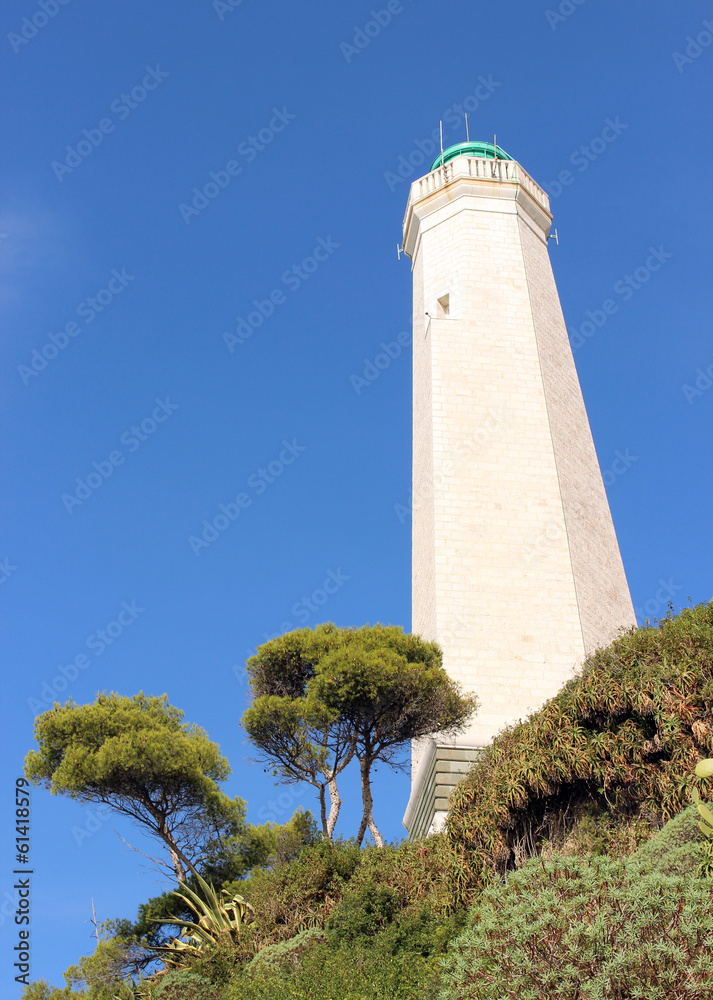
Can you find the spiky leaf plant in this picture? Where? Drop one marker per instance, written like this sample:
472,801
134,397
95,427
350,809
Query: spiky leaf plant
219,920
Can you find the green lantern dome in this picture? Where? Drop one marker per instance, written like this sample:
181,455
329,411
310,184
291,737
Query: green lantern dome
483,150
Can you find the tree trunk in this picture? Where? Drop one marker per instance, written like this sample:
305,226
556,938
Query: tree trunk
178,858
335,803
177,866
323,811
367,819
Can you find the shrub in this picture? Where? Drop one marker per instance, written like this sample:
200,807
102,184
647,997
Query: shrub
285,954
592,928
357,971
677,849
305,892
363,912
183,985
298,895
623,736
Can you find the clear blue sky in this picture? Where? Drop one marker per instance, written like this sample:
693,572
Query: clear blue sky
305,133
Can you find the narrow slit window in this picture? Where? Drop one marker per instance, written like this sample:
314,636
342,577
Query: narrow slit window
443,306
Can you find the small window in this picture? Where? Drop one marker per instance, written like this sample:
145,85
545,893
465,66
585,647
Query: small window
443,307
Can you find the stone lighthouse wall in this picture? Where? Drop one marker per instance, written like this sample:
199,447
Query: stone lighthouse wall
516,567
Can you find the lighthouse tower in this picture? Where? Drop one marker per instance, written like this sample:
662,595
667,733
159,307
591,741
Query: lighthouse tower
516,568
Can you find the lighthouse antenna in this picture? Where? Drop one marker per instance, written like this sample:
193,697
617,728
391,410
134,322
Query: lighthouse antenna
467,134
442,163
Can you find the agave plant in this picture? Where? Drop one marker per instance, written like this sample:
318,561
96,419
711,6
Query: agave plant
219,919
704,769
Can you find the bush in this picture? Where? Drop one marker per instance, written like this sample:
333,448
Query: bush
592,928
363,912
677,850
623,737
183,985
305,892
327,971
285,954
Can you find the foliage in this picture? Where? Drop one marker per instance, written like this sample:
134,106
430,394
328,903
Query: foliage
183,985
284,953
704,769
256,847
294,734
40,989
364,912
323,695
219,920
294,897
106,974
675,850
306,892
389,688
345,972
118,956
591,928
625,735
247,846
137,756
590,775
593,830
374,946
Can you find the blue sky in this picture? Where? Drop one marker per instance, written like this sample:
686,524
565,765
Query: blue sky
139,285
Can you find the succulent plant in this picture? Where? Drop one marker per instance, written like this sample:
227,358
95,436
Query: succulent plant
219,919
704,769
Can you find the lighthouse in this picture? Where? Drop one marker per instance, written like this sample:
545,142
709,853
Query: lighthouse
516,568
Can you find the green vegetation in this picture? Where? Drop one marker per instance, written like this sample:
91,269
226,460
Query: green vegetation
572,864
583,928
704,769
219,918
323,696
624,737
137,756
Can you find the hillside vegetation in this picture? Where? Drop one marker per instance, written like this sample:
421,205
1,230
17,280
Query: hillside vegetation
571,865
621,739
